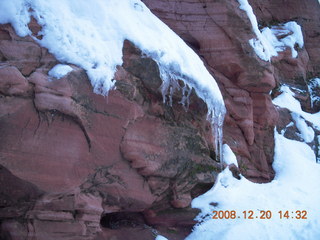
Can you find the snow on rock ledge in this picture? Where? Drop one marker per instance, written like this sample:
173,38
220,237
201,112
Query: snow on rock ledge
59,71
275,39
314,90
284,193
90,34
287,100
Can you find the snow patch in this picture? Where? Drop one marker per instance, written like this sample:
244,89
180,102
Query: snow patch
306,132
159,237
229,157
295,188
314,87
286,100
59,71
90,34
272,40
318,154
261,45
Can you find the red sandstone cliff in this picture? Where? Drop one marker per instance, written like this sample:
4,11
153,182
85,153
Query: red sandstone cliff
221,36
76,165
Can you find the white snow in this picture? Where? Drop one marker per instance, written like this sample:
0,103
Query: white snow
306,132
272,40
229,156
287,100
159,237
90,34
294,36
59,71
245,6
318,158
313,85
295,188
282,36
261,45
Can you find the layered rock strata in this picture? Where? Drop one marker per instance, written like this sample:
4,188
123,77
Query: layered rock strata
76,165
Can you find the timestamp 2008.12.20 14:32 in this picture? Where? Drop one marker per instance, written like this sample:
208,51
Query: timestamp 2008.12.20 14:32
259,214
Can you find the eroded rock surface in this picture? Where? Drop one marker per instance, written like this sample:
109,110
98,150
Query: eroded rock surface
76,165
219,32
88,155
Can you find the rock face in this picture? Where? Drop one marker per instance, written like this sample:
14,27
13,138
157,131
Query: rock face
73,157
76,165
219,32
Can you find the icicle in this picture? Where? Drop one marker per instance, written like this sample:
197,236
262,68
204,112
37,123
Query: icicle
171,91
318,155
185,100
165,86
170,86
220,137
216,109
216,119
216,138
313,85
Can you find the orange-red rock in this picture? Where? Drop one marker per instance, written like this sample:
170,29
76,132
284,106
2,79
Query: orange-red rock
76,165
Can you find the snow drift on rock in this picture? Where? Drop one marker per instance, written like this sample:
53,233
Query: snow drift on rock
295,188
90,34
275,39
287,100
59,71
314,88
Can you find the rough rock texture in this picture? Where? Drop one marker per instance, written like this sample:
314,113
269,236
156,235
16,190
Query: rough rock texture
76,165
219,32
73,157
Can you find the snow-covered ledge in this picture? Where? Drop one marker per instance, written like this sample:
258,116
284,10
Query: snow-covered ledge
90,34
271,40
